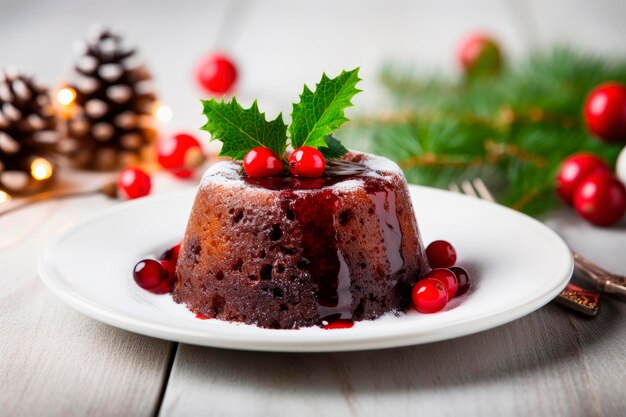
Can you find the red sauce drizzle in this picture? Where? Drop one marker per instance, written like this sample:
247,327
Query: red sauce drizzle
338,324
317,215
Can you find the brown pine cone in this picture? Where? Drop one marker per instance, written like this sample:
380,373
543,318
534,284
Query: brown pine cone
111,123
28,134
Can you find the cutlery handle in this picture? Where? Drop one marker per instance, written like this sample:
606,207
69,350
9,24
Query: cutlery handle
604,280
579,299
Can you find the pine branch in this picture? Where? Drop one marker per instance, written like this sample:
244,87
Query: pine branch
513,130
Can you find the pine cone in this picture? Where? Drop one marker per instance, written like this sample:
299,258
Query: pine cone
111,122
27,132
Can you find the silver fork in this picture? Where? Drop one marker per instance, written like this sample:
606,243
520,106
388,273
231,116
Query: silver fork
579,299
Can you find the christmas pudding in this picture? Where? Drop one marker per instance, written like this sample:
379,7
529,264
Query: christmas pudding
314,236
285,251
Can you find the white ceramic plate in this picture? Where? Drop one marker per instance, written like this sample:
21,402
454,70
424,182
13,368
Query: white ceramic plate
516,264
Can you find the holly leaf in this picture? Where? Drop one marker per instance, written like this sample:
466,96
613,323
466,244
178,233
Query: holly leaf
241,130
334,148
319,113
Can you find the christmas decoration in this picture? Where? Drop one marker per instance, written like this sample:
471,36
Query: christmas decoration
133,183
180,154
262,162
440,254
108,106
605,112
429,296
620,166
462,278
479,56
216,73
307,162
27,135
601,199
513,130
154,275
574,170
447,278
313,120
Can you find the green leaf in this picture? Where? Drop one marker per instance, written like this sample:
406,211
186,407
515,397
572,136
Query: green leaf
319,113
241,130
334,148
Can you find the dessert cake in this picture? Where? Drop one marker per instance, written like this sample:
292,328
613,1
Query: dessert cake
316,236
290,251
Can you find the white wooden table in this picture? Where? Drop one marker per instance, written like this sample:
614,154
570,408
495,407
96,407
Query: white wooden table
55,361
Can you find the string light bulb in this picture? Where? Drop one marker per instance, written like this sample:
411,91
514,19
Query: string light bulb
162,112
4,197
66,96
41,169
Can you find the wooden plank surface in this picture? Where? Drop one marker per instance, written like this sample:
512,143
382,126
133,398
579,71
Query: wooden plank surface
53,360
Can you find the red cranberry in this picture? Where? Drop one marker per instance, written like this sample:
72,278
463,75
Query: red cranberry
307,162
462,278
216,73
180,154
429,296
338,324
440,254
479,55
171,254
262,162
154,276
170,267
447,278
605,112
601,199
133,183
574,170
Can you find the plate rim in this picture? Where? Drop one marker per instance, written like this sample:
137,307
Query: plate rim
332,342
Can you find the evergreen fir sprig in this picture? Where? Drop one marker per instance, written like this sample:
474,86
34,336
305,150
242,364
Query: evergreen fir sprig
513,130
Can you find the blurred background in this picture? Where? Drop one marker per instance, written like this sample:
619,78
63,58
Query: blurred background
280,44
506,115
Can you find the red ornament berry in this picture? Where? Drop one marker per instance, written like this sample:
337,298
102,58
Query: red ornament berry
180,154
601,199
216,73
605,112
574,170
440,254
462,278
133,183
479,55
154,276
307,162
429,296
262,162
447,278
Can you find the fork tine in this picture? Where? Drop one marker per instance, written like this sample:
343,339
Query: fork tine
468,189
454,188
482,190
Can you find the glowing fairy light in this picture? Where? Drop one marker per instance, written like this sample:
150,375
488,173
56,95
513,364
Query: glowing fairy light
41,169
66,96
163,113
4,197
